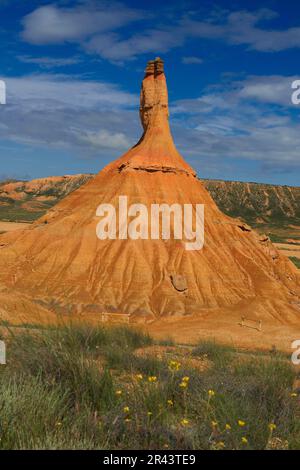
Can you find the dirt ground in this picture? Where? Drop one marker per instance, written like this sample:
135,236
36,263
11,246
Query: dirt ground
191,330
289,249
289,246
11,226
224,328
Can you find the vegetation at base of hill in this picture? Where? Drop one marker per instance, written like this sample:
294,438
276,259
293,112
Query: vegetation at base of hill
27,201
296,261
16,213
257,203
263,206
83,387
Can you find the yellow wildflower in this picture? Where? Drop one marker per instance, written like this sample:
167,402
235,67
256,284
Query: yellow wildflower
170,402
244,440
126,409
127,420
294,394
184,422
119,393
211,393
183,384
214,424
221,445
241,423
227,427
152,378
174,365
272,426
149,413
139,377
185,379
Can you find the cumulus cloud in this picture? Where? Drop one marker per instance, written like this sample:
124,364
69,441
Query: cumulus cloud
57,91
191,60
51,24
238,121
267,89
275,89
49,62
51,110
114,48
106,139
225,126
99,28
242,27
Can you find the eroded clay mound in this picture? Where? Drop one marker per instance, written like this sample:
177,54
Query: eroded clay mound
62,264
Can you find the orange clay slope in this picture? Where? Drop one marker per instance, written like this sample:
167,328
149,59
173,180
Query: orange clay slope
63,267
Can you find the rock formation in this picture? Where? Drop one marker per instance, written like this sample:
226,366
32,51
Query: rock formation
61,264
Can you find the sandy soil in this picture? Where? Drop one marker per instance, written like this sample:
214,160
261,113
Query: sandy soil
192,330
294,253
11,226
224,328
288,249
287,246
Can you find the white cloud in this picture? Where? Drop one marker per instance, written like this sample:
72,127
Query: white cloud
114,48
98,28
49,62
106,139
271,89
56,91
237,28
191,60
225,126
241,27
52,24
274,89
54,110
239,122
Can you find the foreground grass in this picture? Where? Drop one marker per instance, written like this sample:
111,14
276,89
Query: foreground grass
84,387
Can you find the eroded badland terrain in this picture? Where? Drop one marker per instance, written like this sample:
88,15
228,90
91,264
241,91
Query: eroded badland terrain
241,288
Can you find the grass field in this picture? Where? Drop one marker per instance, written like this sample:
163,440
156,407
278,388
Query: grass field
84,387
296,261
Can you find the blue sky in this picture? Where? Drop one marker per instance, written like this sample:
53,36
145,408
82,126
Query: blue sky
73,71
